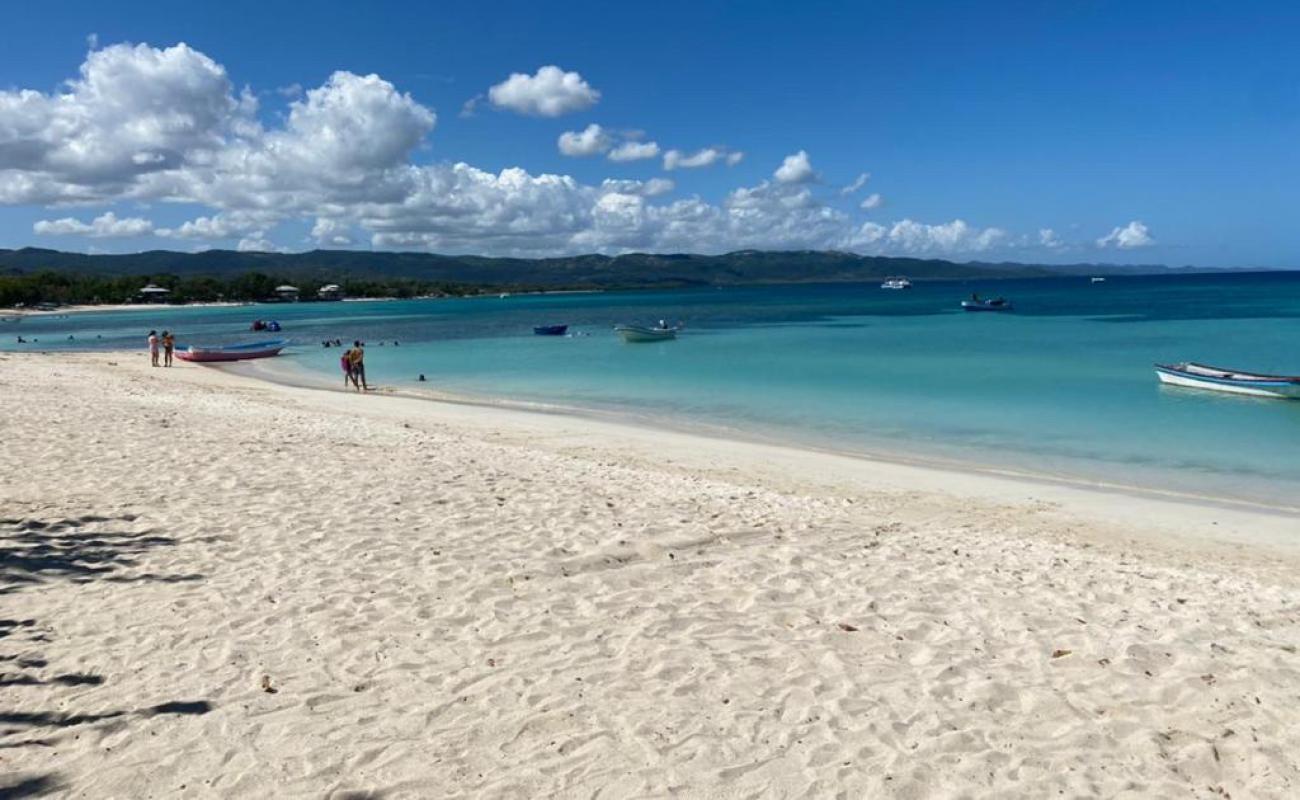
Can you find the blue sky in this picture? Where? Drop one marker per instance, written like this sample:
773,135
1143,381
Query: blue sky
1031,131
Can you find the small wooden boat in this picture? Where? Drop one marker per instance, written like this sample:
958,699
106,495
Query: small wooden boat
232,352
550,330
997,304
636,333
1199,376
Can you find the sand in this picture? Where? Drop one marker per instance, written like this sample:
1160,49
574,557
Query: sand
216,587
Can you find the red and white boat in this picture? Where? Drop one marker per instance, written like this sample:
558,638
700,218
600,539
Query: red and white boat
233,352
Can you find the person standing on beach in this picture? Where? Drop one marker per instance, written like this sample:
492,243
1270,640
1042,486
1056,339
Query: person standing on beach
349,374
359,365
169,344
153,348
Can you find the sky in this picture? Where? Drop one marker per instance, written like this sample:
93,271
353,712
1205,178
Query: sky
1060,132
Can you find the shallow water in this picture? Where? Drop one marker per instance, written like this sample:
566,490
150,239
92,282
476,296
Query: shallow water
1063,385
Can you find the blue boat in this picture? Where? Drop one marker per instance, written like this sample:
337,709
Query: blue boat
550,330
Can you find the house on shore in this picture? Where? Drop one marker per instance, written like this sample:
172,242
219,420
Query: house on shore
153,294
330,291
286,294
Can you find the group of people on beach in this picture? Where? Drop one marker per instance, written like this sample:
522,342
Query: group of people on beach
353,363
168,343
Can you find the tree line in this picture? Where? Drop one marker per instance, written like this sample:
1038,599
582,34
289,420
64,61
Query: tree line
49,286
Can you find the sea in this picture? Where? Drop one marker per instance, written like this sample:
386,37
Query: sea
1060,387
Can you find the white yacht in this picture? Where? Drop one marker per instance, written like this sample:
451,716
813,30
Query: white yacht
896,283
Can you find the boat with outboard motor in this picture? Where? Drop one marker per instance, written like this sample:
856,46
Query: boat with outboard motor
637,333
231,352
1215,379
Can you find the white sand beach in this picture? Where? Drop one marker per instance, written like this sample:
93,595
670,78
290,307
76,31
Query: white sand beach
213,586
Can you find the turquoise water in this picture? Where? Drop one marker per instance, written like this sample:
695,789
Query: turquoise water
1063,385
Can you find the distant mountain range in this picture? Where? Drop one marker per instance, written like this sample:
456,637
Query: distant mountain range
635,270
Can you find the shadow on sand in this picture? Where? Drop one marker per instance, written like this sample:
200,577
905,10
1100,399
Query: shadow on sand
35,553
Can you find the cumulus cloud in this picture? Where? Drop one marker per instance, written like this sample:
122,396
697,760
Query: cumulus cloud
1132,235
1048,238
166,125
549,93
795,169
634,151
857,184
331,232
947,238
650,188
676,159
591,141
105,226
134,111
872,202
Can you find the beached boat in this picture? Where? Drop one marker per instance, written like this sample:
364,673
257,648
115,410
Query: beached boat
550,330
1199,376
636,333
896,283
997,304
233,352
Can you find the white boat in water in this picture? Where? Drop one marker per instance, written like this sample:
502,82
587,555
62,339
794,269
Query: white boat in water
896,283
1199,376
1098,280
636,333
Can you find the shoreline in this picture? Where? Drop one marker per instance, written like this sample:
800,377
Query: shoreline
291,374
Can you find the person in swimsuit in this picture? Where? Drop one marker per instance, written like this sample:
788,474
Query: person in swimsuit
359,365
169,344
349,374
153,348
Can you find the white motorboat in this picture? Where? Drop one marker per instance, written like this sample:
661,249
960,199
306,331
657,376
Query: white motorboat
1199,376
636,333
896,283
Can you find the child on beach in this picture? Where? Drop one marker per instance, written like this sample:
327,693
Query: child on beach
153,348
169,344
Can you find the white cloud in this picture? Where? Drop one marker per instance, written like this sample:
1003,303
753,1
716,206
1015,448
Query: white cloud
1131,236
106,225
676,159
651,188
1048,238
258,243
550,93
795,169
871,202
857,184
340,160
134,111
331,232
634,151
589,142
947,238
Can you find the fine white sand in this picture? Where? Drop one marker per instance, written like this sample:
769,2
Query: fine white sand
457,601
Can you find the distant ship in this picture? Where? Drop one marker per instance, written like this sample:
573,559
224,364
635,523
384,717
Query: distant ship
896,283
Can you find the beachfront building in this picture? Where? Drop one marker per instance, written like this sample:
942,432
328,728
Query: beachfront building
286,294
330,291
153,294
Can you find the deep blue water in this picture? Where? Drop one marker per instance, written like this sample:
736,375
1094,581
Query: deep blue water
1062,385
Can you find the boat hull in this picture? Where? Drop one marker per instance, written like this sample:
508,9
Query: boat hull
1194,376
242,352
550,330
638,335
971,305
